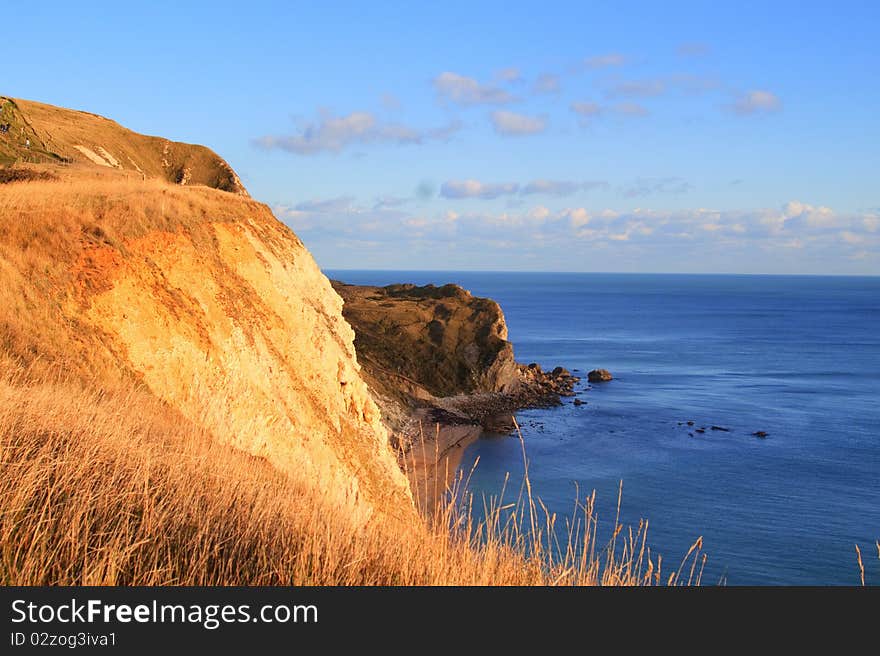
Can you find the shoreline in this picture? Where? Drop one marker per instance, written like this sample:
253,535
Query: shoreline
433,441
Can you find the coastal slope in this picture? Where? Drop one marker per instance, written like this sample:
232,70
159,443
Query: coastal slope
193,292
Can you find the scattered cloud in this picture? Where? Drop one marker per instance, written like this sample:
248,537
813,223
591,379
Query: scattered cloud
539,213
510,74
650,186
693,49
559,187
589,110
513,124
389,202
338,204
630,109
852,238
547,83
637,89
462,90
455,189
608,60
658,86
444,132
330,133
586,109
796,229
756,102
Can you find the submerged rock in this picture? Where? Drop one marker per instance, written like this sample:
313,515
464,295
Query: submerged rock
760,434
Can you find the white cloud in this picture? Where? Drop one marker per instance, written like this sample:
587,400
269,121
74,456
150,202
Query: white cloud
756,102
578,217
476,189
611,59
717,236
513,124
332,133
539,213
464,90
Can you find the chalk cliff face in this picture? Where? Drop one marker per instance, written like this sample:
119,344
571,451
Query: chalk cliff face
204,297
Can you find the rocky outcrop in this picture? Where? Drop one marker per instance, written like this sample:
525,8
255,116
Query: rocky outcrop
599,376
430,341
443,349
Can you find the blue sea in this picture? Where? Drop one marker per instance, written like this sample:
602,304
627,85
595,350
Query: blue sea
795,356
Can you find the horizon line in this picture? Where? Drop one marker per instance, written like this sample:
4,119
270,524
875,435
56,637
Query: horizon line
616,273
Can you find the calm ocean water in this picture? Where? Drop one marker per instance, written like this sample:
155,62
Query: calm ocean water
798,357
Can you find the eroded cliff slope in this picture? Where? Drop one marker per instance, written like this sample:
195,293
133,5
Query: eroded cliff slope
201,296
440,338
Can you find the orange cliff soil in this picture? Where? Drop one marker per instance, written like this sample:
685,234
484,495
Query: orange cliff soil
208,301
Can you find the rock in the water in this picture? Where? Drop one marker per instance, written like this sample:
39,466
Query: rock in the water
690,423
701,430
560,371
720,428
761,434
599,376
578,402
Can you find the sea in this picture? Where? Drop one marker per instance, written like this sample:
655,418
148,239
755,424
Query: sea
797,357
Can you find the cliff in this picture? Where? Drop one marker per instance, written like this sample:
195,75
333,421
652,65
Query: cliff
440,339
444,348
198,295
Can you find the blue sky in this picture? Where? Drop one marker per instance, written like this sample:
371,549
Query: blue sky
580,136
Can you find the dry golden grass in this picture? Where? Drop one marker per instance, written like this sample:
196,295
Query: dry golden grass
114,487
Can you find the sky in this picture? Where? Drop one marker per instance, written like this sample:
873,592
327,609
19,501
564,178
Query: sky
714,137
